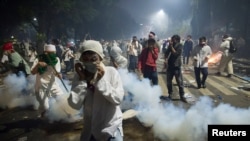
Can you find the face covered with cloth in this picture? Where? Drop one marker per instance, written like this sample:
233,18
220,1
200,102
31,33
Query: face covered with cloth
98,89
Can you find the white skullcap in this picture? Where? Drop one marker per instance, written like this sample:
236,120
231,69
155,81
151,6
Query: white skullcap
92,45
49,47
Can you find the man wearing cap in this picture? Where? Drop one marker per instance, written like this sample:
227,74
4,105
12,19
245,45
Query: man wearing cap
15,60
147,62
99,90
227,57
46,67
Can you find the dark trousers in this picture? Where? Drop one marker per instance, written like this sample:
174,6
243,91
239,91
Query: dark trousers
67,65
133,60
186,59
198,71
171,73
72,64
151,74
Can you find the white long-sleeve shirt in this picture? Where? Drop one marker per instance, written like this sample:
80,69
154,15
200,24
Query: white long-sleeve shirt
201,56
102,113
116,54
134,48
46,81
4,58
68,54
224,47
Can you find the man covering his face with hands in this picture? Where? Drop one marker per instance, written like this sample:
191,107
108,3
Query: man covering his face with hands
98,88
201,53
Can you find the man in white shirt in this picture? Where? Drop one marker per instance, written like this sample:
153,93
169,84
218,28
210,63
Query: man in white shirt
99,90
46,67
134,49
226,58
117,60
201,53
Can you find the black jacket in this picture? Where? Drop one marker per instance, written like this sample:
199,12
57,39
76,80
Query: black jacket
174,59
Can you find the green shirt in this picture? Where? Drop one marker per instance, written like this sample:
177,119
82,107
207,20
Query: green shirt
15,59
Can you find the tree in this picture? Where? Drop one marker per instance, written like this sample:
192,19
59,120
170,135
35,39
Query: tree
68,18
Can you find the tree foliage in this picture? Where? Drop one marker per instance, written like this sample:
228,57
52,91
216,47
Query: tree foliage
52,15
220,17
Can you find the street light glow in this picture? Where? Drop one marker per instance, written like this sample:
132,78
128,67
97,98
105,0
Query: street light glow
159,22
161,12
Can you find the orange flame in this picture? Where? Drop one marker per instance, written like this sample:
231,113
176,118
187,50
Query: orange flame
215,58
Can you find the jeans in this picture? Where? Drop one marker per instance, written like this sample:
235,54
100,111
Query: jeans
197,72
186,59
151,75
171,73
133,60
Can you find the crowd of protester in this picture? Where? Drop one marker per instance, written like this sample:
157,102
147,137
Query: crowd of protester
95,64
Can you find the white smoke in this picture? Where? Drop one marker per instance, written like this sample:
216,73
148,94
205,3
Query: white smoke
168,121
61,111
18,91
171,122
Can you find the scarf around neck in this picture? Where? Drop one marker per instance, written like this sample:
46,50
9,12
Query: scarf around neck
50,59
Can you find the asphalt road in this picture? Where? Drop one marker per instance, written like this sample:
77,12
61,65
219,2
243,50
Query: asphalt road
234,91
24,124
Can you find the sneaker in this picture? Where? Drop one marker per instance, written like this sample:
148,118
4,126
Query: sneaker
167,98
203,85
229,75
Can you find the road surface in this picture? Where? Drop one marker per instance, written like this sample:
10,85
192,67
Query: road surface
24,124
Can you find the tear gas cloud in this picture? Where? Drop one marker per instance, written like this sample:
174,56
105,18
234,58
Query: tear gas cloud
168,121
171,122
15,92
19,92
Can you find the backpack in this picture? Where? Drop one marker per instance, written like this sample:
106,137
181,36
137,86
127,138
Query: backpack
232,47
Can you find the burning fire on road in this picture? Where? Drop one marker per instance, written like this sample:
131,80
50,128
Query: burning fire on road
215,58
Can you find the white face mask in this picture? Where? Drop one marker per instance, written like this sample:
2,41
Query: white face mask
90,66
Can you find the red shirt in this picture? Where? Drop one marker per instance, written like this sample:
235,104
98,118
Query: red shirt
148,58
